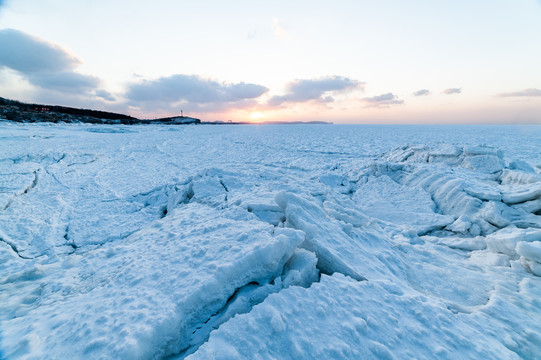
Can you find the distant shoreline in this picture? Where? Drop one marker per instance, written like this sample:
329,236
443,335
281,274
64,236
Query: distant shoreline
267,123
17,111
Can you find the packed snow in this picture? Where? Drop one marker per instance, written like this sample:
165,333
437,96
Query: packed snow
258,242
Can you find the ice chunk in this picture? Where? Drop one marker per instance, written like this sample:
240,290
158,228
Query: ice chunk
496,214
530,250
144,296
460,225
482,190
484,163
405,153
535,267
331,180
209,189
489,258
513,194
178,195
522,166
514,177
530,206
323,237
501,215
443,154
268,212
505,240
357,248
470,244
482,150
300,269
445,190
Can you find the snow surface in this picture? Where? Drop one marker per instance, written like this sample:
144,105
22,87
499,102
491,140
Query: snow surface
257,242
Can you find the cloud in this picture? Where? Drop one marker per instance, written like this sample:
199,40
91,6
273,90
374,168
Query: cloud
105,95
451,91
522,93
319,90
203,94
65,81
44,65
28,54
382,101
423,92
278,30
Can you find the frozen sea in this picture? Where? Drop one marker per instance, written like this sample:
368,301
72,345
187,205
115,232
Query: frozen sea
270,241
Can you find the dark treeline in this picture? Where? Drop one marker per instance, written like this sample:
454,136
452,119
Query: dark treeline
64,110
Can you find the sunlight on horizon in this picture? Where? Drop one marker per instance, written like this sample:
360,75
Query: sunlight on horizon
371,62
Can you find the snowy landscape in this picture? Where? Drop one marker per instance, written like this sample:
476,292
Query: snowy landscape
270,242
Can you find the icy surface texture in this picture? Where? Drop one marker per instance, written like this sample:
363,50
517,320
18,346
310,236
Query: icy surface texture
227,242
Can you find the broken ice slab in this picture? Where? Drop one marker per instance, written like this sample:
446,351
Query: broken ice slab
340,318
505,240
144,296
514,194
342,237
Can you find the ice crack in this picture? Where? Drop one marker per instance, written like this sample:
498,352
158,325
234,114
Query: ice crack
299,270
14,248
33,184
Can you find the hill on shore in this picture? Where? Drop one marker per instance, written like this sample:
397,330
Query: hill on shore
13,110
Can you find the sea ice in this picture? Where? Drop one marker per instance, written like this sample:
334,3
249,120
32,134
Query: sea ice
140,242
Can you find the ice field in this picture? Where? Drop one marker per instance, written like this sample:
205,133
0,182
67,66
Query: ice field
263,242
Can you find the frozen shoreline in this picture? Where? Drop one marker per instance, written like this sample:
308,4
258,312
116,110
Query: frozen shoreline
132,242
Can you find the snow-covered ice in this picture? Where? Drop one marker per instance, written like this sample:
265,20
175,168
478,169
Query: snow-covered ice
257,242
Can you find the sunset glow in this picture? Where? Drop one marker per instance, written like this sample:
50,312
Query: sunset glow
371,62
257,116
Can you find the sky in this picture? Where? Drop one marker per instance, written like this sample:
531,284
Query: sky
355,61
